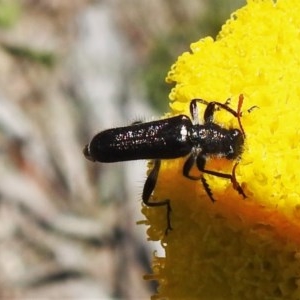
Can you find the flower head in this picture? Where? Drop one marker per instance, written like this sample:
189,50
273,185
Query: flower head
238,248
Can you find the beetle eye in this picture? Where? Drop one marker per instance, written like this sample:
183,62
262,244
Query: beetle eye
236,133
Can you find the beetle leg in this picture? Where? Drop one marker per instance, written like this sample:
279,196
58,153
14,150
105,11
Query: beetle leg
215,105
208,113
235,183
148,189
210,109
194,111
191,160
207,189
189,163
201,166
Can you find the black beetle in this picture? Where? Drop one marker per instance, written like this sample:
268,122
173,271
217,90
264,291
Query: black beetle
172,138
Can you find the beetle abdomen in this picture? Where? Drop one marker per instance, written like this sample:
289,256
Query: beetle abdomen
162,139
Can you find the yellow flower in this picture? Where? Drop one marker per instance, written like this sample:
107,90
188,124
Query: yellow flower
237,248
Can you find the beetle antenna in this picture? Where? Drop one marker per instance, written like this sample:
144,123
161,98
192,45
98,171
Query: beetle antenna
239,113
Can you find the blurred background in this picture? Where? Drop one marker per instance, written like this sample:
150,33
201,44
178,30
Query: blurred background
69,69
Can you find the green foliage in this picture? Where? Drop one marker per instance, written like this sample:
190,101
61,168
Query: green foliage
45,58
167,47
9,13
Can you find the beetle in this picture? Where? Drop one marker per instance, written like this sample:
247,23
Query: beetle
171,138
